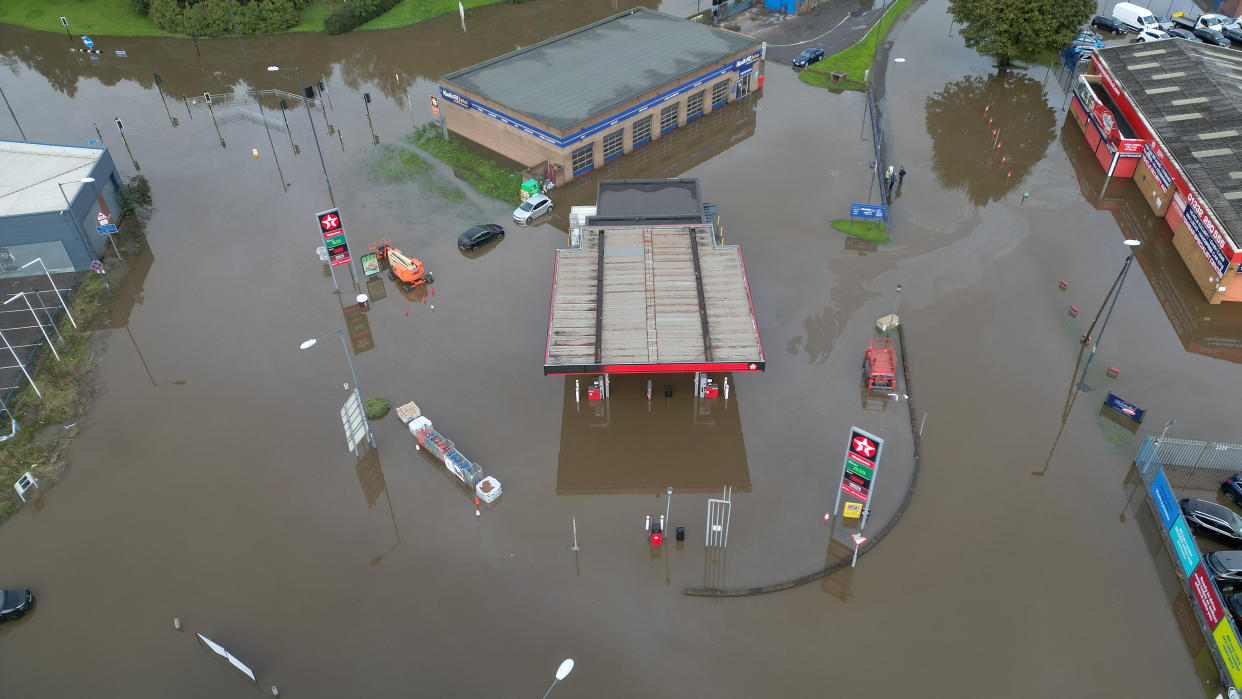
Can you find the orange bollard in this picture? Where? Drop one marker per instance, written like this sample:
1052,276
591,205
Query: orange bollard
1073,311
407,313
1063,285
999,144
1003,159
1008,174
985,109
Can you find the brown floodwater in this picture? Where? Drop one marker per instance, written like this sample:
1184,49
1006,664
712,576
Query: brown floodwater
211,482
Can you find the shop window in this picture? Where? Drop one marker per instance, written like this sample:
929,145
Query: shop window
584,159
668,118
612,145
694,106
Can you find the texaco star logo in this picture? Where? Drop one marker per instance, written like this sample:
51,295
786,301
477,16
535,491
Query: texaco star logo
863,446
329,222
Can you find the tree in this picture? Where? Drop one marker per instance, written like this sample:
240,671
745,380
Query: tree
1009,29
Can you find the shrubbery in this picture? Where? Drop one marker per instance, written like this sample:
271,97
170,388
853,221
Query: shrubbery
356,13
211,17
142,8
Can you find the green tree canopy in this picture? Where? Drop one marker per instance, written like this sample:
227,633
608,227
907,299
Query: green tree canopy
1009,29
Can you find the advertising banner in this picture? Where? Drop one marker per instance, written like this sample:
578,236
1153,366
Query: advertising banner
1163,178
1184,545
1230,652
1166,503
861,459
858,210
333,231
1124,407
1199,229
1207,598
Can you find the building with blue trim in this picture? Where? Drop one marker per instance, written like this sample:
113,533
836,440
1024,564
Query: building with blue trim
576,101
48,211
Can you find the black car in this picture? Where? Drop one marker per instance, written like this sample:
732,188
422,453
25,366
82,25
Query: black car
1234,604
1179,33
1225,567
807,57
1211,36
14,603
1232,488
1233,35
1111,24
478,235
1213,521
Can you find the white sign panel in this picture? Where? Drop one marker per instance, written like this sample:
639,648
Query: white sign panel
354,420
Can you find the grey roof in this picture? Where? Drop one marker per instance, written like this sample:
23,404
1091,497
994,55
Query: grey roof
30,175
1191,94
572,77
648,201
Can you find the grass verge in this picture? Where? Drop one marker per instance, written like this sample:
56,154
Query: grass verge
396,163
102,17
865,230
66,391
856,59
113,17
487,176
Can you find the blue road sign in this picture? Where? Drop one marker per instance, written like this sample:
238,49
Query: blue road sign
876,211
106,230
88,42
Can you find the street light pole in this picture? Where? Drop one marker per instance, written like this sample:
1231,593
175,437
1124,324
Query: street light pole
1125,269
38,322
567,665
306,103
15,121
54,287
20,365
345,345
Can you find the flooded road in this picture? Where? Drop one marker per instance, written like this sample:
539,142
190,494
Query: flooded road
229,502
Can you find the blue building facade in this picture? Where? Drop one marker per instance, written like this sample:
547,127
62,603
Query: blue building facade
43,225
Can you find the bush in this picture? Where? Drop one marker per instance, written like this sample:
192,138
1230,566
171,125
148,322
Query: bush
211,17
356,13
142,8
376,408
135,196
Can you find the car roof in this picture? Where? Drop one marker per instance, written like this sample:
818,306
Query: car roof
538,198
1229,559
1209,508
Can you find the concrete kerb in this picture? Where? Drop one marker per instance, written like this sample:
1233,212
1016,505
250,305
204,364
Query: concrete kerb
873,541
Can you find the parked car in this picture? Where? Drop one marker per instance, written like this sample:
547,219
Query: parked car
1081,44
532,209
1090,38
1232,488
1110,24
1234,36
1135,17
15,602
1209,20
1179,33
479,235
808,56
1212,36
1234,604
1226,568
1164,22
1213,521
1152,35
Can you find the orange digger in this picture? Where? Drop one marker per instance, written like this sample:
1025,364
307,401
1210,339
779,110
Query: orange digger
408,271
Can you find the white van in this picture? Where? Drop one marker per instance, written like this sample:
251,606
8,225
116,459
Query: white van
1135,17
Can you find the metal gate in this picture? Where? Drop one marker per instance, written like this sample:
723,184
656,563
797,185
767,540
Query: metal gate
1196,463
718,514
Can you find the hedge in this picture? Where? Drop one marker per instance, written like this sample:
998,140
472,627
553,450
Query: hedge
356,13
211,17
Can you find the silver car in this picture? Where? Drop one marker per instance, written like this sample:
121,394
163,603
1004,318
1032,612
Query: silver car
532,209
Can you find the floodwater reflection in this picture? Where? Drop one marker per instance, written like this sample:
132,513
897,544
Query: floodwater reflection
628,444
963,152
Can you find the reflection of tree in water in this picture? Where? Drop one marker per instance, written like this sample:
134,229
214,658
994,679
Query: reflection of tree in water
962,152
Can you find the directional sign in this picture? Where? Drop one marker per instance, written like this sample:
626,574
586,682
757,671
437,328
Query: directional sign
107,229
102,218
877,211
334,239
88,42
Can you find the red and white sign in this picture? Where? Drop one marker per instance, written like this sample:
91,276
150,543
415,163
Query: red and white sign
1205,595
102,218
334,237
859,539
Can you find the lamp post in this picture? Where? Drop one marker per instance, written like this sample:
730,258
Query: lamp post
20,365
42,329
54,287
1121,280
341,331
306,102
567,666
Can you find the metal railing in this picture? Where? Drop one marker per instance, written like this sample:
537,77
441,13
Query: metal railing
232,114
1197,463
228,99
